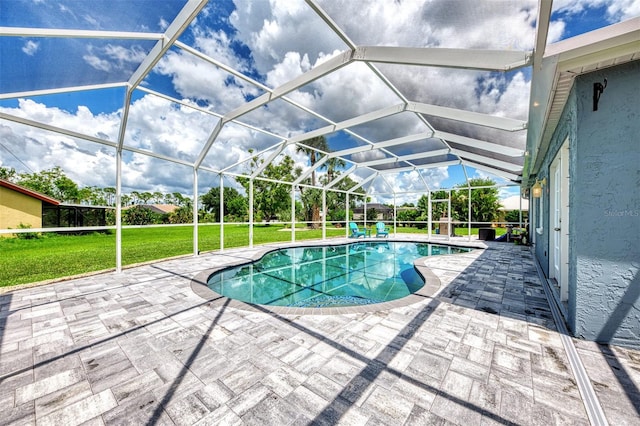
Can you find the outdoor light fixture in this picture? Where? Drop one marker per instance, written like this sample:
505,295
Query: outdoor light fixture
598,88
536,189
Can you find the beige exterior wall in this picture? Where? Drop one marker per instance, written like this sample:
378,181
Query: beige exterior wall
17,208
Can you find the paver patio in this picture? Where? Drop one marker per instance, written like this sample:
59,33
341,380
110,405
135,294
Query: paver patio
140,347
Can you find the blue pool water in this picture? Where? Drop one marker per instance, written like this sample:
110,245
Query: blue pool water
329,276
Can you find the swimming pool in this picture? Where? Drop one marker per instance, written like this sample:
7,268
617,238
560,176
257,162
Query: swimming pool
329,276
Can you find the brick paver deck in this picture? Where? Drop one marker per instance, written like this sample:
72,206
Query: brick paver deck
141,347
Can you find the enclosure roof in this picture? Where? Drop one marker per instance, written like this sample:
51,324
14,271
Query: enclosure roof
390,102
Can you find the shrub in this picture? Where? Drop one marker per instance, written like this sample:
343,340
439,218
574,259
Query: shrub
27,235
139,215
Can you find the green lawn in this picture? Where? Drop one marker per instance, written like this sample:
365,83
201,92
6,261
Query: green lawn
459,231
57,256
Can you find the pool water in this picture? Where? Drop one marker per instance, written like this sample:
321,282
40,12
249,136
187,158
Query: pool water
328,276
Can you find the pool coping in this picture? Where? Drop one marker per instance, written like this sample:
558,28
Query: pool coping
430,288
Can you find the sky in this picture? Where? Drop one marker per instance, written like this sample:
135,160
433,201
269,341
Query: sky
270,42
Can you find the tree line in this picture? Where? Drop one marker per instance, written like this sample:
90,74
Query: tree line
272,195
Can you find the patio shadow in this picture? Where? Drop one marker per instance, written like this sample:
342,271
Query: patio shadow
359,384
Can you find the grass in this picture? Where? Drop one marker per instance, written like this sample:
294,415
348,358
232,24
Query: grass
459,231
56,256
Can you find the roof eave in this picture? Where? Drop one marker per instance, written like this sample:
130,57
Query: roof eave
29,192
553,79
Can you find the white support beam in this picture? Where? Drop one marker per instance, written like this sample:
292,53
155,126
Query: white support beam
361,119
596,46
88,138
221,210
476,143
195,107
542,31
481,158
268,161
118,211
424,181
220,65
421,167
56,129
466,175
321,70
82,136
196,250
261,86
255,154
497,172
69,33
212,137
325,68
403,158
45,92
364,182
340,177
383,144
310,170
330,22
486,120
175,29
491,60
293,214
386,182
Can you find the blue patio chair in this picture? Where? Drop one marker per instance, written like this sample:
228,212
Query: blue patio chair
381,230
355,232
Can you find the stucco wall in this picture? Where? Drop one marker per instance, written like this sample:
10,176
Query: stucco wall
566,129
605,208
17,208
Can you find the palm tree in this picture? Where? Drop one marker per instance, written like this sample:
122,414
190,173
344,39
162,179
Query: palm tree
311,147
332,165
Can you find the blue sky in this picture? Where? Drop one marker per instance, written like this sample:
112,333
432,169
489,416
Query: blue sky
269,42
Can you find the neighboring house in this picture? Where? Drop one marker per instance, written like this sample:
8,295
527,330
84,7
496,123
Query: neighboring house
156,208
513,209
584,181
22,206
383,212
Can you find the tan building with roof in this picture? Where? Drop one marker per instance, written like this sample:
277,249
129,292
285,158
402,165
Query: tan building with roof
21,206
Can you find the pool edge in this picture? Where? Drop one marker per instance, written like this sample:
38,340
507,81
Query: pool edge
431,287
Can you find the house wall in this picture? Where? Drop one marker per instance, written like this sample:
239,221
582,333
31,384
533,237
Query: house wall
566,130
17,208
606,182
604,200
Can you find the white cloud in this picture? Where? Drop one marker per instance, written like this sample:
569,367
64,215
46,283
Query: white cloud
114,57
409,186
617,10
273,29
31,47
623,9
92,21
97,63
292,66
154,124
492,25
286,39
196,79
163,24
368,155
